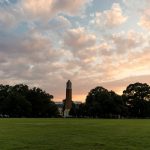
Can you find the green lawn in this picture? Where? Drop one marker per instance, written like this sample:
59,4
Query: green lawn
74,134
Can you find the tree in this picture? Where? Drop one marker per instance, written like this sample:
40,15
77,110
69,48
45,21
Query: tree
4,92
102,103
20,101
42,105
118,107
73,110
137,98
15,105
95,100
52,110
82,110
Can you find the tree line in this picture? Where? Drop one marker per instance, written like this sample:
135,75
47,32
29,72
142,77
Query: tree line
101,103
21,101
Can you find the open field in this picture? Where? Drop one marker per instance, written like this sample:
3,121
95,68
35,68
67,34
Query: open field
74,134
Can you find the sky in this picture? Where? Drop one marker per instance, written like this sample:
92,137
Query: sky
44,43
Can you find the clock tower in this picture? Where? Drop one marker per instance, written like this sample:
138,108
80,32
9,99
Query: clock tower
68,100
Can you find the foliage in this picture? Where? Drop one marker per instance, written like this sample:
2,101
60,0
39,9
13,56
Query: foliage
78,110
102,103
20,101
137,98
135,102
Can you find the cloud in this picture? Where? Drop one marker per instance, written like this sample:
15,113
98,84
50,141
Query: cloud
49,44
105,49
58,23
81,44
12,14
32,60
10,21
63,20
115,57
131,64
145,19
125,42
24,55
120,85
78,38
9,15
110,18
141,10
46,9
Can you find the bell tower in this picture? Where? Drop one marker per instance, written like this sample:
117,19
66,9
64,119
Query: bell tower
68,100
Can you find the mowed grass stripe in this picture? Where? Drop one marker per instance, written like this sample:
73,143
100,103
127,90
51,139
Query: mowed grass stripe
74,134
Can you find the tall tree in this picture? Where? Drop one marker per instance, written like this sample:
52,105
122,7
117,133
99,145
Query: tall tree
137,98
102,103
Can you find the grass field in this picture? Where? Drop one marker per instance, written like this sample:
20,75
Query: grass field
74,134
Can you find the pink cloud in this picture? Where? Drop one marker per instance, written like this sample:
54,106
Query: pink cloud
145,19
46,9
110,18
78,38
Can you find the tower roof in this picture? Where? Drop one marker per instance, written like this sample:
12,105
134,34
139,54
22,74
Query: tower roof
68,81
69,84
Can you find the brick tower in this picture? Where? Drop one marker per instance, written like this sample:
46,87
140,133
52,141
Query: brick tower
68,100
